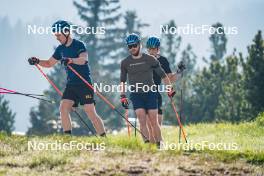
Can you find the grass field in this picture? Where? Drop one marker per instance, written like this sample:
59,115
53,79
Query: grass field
240,152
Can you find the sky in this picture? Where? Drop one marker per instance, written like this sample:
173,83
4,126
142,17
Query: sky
15,73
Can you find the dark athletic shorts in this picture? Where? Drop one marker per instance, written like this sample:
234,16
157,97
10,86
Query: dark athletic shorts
144,100
79,93
159,103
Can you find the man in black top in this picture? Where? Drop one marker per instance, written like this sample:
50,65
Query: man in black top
153,46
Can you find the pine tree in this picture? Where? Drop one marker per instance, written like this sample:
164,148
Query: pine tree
254,74
170,45
218,41
7,117
207,88
98,14
232,103
207,84
189,59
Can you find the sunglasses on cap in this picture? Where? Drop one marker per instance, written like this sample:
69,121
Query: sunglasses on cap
132,46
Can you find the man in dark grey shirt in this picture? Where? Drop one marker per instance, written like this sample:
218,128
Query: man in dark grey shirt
139,67
140,70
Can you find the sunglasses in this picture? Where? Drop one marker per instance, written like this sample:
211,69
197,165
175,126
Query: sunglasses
132,46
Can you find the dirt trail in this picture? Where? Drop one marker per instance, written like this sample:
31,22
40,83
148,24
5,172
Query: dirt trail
116,161
160,164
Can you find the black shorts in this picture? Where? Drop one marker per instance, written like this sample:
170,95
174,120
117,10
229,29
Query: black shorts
79,93
159,97
147,100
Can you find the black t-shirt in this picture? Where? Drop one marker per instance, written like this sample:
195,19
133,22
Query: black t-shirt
73,51
166,67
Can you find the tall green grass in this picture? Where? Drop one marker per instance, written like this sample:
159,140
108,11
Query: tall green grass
248,137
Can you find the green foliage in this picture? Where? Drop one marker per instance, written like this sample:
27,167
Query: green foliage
246,137
218,41
260,119
232,103
229,89
254,73
7,117
207,89
219,94
98,14
189,58
48,160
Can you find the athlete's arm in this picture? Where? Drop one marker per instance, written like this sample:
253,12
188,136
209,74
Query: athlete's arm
166,80
157,68
178,74
155,65
170,90
123,78
173,77
81,60
48,63
167,69
122,86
